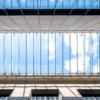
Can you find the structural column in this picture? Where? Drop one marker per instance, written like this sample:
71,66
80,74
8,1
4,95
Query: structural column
21,93
67,94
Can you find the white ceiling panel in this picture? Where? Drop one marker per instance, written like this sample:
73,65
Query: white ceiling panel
71,19
25,27
61,17
35,27
31,17
58,21
94,27
64,27
46,17
98,29
45,27
33,21
55,23
82,21
54,27
45,21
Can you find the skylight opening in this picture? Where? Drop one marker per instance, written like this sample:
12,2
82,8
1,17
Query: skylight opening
49,4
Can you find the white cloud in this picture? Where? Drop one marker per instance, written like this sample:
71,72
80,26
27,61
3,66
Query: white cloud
95,69
51,48
74,64
52,0
95,45
23,1
80,52
74,44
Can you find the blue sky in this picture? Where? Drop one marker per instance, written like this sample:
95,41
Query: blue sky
56,52
44,4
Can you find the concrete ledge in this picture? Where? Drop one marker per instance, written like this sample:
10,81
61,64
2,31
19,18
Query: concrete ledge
51,80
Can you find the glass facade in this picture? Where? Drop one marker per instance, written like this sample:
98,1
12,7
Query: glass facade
45,98
92,98
50,4
3,98
50,53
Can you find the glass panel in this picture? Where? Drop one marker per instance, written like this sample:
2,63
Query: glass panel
8,4
44,4
8,52
59,53
22,51
88,4
37,53
73,53
39,4
30,53
98,53
3,98
66,53
66,4
94,53
1,53
52,53
1,4
98,98
30,4
87,53
15,53
42,98
22,4
52,4
45,98
74,4
38,98
59,4
88,98
35,4
81,4
80,53
44,53
95,4
15,4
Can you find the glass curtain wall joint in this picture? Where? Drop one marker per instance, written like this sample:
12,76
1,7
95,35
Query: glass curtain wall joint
50,4
50,54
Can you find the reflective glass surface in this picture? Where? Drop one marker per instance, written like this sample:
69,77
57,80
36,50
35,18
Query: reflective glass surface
49,4
45,98
3,98
50,53
92,98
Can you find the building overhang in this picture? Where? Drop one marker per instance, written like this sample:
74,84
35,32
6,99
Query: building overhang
49,23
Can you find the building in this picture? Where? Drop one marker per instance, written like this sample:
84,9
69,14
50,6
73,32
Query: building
50,49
